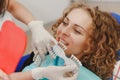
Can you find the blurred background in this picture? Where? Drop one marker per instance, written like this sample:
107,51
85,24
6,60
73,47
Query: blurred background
50,10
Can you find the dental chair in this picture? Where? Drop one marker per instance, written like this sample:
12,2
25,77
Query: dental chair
116,16
13,42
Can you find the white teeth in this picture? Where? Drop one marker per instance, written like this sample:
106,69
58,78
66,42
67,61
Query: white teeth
61,44
61,41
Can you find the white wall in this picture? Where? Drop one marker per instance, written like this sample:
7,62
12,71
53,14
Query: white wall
46,10
49,10
106,5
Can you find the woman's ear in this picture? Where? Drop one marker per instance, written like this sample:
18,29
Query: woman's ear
87,47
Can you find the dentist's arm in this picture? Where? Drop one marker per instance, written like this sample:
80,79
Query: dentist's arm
51,72
21,76
19,11
3,75
16,76
40,36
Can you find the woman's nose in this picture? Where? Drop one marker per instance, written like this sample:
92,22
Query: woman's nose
66,31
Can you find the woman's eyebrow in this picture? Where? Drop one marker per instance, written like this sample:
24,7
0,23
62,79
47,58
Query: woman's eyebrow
67,18
75,24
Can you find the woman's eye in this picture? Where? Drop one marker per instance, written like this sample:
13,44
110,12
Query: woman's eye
64,23
77,31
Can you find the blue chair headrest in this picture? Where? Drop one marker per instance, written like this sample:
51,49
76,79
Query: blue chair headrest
116,16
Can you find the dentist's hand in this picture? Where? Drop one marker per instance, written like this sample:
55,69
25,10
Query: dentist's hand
54,73
40,37
3,75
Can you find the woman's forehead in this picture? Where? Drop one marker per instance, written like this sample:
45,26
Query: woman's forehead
80,17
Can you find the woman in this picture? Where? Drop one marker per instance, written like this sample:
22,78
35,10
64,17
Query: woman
89,34
102,42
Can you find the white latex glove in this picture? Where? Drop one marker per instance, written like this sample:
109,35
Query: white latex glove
3,75
54,73
40,37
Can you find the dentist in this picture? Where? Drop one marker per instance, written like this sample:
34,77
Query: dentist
40,38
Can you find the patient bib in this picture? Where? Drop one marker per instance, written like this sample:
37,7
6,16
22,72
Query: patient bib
84,73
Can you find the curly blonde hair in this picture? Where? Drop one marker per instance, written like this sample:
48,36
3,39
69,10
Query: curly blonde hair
103,42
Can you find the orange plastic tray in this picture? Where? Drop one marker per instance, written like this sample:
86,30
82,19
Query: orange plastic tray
12,46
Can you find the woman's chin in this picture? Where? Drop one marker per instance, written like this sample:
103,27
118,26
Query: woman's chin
67,53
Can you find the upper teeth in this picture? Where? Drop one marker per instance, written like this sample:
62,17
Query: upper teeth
61,41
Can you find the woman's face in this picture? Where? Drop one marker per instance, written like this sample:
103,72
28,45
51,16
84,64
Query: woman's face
74,31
